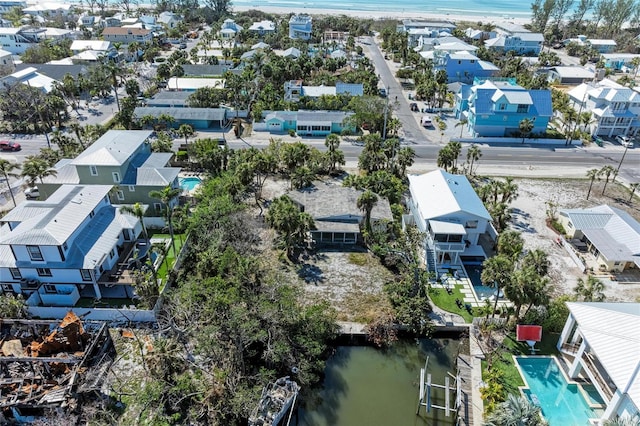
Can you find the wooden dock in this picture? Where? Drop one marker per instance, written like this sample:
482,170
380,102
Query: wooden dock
465,410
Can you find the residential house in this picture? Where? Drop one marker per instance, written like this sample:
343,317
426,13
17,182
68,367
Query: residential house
446,208
335,212
5,23
300,27
615,109
188,84
55,251
55,72
261,45
463,66
600,45
525,43
417,30
332,35
571,75
305,123
198,118
57,34
92,50
7,5
610,234
111,21
600,342
89,21
209,71
229,29
292,53
17,40
169,20
478,35
294,90
6,62
29,77
127,35
450,44
262,28
495,107
98,45
620,61
173,99
48,9
122,158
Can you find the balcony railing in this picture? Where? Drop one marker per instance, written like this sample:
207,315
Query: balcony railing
570,348
449,247
594,367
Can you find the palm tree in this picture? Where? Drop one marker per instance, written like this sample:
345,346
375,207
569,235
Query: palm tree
36,168
592,175
332,142
632,187
516,411
461,123
497,272
186,131
510,244
138,211
607,171
77,130
509,190
626,420
366,202
405,159
6,169
166,195
525,126
473,154
590,290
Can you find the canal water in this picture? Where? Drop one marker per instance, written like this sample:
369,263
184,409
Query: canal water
379,387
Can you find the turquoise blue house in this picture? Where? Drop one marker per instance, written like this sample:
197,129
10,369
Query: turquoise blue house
495,107
198,118
463,66
306,123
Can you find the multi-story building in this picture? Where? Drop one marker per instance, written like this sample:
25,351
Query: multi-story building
7,5
262,28
417,30
463,66
54,251
229,29
515,38
495,107
123,159
615,109
17,40
300,27
127,35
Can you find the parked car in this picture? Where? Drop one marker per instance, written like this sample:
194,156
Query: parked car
414,107
426,121
625,141
182,46
383,92
32,193
9,146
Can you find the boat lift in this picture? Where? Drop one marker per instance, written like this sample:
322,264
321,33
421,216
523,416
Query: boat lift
424,397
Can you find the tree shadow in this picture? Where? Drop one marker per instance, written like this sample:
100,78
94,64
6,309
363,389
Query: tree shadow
311,274
520,220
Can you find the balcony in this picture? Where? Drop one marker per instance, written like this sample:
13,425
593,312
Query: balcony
134,256
598,375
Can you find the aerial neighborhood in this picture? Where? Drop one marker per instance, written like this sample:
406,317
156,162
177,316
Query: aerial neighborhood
220,214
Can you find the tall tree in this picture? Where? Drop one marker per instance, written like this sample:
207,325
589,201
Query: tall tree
290,223
473,155
167,195
590,290
497,272
6,169
592,175
607,171
137,210
366,202
36,168
186,131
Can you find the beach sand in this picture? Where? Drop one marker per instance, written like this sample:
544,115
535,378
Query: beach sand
367,14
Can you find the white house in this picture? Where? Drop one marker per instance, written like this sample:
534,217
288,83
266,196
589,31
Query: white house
52,251
48,9
169,19
229,29
300,26
294,90
30,77
127,35
611,235
96,45
6,60
602,342
17,40
7,5
447,209
615,108
262,28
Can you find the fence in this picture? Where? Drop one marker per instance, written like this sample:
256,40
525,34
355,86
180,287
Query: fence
512,141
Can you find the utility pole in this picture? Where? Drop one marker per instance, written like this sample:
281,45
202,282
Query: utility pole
386,109
626,147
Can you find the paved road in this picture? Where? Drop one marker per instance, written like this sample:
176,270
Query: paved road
412,132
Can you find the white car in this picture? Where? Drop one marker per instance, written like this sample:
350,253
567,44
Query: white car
625,141
32,193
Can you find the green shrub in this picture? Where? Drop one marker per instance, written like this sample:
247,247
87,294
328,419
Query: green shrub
182,155
292,133
558,226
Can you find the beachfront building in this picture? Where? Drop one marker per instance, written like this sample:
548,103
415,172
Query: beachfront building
611,235
417,30
17,40
127,35
262,28
305,123
336,215
495,107
446,208
615,109
169,20
229,29
48,9
462,66
527,44
7,5
300,27
294,90
54,251
122,158
449,44
600,342
599,45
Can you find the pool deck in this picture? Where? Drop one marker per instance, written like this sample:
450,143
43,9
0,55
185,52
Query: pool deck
463,281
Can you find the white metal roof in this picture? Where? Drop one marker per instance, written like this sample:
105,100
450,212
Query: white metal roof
439,193
612,332
113,148
101,45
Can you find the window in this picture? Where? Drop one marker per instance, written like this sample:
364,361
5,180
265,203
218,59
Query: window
64,246
471,224
86,274
93,170
34,253
120,195
111,254
44,272
502,107
617,263
116,177
15,273
157,207
522,108
49,288
132,188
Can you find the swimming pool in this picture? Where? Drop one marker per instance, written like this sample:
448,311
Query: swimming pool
190,183
474,272
561,402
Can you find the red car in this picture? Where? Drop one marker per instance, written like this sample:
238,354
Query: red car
9,146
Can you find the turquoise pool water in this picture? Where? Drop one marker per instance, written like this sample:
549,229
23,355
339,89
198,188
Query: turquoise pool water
474,272
189,183
561,402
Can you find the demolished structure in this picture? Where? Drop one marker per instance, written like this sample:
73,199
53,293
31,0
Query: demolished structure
46,365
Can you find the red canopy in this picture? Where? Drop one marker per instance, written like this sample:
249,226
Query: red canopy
528,332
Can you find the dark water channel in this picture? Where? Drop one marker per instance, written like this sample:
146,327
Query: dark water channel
373,387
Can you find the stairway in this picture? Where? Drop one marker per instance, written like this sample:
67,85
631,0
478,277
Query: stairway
430,259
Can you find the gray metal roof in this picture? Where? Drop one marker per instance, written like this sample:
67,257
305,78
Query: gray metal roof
53,221
150,170
210,114
201,70
171,98
113,148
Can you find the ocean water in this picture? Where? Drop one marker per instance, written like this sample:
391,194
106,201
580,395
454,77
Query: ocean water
500,8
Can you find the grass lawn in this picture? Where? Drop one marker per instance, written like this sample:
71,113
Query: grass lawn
163,270
446,301
511,378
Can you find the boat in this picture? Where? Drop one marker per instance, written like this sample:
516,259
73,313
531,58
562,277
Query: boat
275,401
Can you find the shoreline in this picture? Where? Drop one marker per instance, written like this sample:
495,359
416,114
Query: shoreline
381,15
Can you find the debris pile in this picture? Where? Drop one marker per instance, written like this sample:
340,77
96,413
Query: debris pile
45,365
